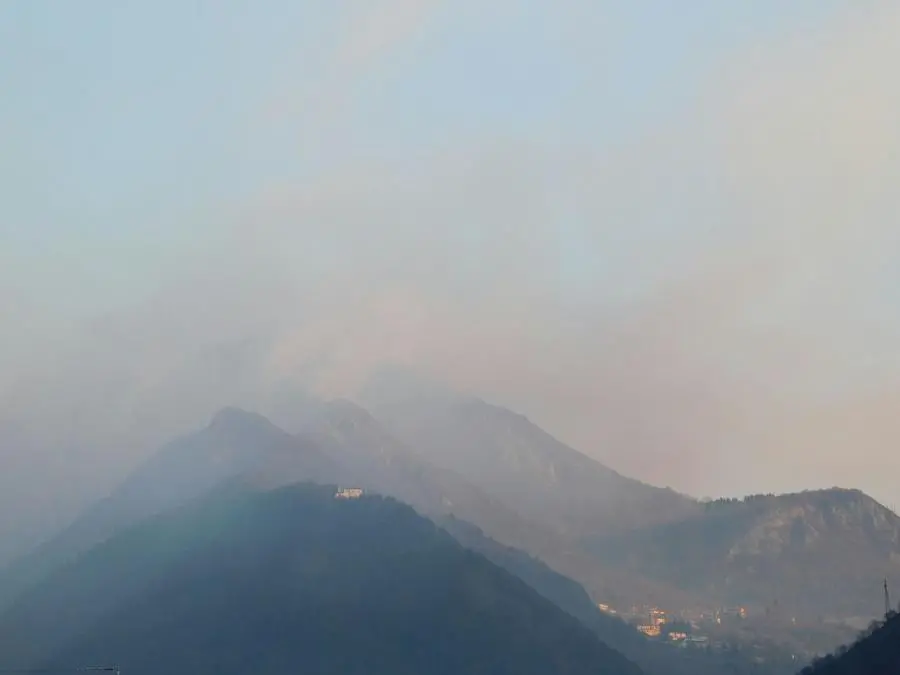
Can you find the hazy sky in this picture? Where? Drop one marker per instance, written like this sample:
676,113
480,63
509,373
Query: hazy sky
668,232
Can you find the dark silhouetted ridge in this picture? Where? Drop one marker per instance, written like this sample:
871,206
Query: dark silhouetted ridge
235,443
877,652
294,580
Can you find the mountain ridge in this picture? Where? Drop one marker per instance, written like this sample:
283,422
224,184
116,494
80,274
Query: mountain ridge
676,560
233,442
507,455
767,549
294,578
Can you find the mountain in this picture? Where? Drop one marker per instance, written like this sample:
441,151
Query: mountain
375,459
819,552
877,652
294,580
512,459
234,443
337,442
653,657
666,559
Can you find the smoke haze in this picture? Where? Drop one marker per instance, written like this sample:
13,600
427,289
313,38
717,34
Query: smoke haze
687,270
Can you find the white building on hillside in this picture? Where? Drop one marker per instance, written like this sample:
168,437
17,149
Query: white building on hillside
348,493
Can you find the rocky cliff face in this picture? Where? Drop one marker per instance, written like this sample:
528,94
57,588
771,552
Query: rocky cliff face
807,520
824,552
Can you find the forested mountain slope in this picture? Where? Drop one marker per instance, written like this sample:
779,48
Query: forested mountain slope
877,652
294,580
817,552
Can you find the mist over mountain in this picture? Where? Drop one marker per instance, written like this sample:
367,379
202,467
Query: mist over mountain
295,579
234,443
654,658
781,555
374,458
510,457
625,541
567,279
821,552
338,442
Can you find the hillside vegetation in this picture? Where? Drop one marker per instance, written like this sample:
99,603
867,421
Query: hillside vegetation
818,552
876,652
294,580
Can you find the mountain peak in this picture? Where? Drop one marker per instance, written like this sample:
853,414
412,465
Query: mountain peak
395,384
509,457
346,409
232,419
813,500
340,416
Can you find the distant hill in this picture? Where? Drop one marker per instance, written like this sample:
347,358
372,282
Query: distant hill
653,657
234,443
374,458
785,554
294,580
820,552
338,442
514,460
877,652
